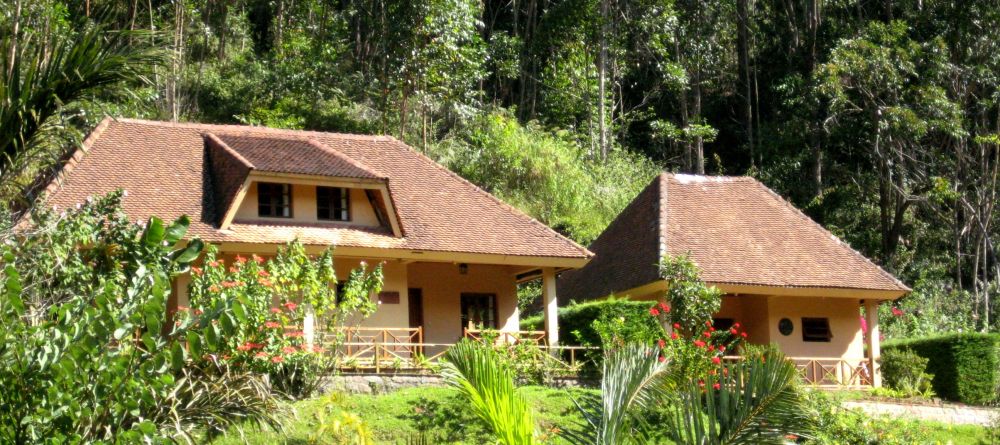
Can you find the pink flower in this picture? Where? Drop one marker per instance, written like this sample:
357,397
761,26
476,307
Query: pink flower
290,306
732,331
654,311
277,359
230,284
240,259
674,336
662,343
716,386
261,354
265,282
196,271
275,310
677,325
716,360
263,273
257,259
288,350
743,334
661,359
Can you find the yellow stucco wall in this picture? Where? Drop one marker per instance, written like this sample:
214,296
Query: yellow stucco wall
304,207
442,286
759,315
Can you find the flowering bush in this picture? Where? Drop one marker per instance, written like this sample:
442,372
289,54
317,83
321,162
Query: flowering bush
270,300
690,302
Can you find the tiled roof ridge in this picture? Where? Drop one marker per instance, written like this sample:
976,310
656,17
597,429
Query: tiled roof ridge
494,199
346,158
823,230
255,129
229,150
661,215
690,178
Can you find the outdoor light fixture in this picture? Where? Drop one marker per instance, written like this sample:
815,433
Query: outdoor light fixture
463,268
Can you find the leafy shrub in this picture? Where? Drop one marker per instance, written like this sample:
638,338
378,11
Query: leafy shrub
906,372
81,316
838,426
966,367
615,317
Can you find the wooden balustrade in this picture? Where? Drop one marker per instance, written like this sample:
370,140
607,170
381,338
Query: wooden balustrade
829,372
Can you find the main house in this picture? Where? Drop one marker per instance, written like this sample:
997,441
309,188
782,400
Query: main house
785,278
453,254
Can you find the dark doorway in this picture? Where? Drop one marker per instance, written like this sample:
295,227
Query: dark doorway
479,311
416,297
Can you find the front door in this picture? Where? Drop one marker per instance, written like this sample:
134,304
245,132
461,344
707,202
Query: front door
416,297
479,311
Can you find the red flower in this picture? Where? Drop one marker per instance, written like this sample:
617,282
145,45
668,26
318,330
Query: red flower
711,347
230,284
897,312
699,343
664,307
240,259
732,331
725,371
711,329
261,354
277,359
246,346
701,383
232,269
707,334
654,311
716,386
272,325
716,360
743,334
736,325
289,350
196,271
275,310
264,282
708,323
198,312
674,336
290,306
263,273
661,359
213,263
182,308
257,259
662,343
722,349
213,288
677,325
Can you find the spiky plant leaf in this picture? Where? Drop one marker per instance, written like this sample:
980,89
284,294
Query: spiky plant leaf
757,401
488,384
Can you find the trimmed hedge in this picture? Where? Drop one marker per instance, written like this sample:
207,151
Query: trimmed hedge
966,367
575,320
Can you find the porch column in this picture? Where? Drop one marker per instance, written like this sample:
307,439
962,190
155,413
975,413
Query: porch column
551,306
309,326
871,318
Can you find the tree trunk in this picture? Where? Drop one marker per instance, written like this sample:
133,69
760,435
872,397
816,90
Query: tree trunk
602,68
743,44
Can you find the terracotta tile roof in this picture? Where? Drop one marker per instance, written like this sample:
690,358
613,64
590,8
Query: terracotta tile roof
736,229
168,170
286,154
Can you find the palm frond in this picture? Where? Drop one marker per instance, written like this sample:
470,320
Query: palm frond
634,377
488,384
757,401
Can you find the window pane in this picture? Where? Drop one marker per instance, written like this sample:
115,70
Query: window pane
274,200
816,330
333,203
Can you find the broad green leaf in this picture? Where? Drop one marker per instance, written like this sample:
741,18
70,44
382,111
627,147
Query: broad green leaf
177,229
154,232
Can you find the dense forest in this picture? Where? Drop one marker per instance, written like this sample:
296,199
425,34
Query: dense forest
878,117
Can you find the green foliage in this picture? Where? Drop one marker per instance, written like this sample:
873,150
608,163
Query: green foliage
905,371
270,300
966,367
691,302
839,426
488,384
81,322
755,400
544,175
593,321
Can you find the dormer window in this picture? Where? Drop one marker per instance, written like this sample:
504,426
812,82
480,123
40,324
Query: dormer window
274,200
333,204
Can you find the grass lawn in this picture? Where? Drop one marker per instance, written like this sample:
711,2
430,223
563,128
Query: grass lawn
400,417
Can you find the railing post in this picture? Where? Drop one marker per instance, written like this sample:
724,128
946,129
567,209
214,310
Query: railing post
551,309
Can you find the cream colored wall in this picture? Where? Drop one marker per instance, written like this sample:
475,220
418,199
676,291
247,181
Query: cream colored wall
304,207
394,280
845,326
442,286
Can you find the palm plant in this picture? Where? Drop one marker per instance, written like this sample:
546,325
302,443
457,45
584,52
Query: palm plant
635,378
488,383
39,77
754,401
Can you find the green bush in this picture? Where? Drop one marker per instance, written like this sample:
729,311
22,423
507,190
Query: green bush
966,367
906,371
618,317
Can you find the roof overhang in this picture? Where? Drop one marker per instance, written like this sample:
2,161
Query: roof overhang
418,255
778,291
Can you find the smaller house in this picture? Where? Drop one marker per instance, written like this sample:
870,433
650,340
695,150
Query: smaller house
785,278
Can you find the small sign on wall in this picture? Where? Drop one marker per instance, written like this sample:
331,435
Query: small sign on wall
388,297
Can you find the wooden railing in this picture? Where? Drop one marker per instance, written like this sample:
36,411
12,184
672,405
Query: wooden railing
827,372
536,337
